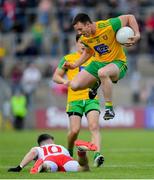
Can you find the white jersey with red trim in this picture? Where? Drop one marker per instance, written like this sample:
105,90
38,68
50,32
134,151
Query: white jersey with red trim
51,150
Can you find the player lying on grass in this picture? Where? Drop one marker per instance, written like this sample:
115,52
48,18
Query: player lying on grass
52,157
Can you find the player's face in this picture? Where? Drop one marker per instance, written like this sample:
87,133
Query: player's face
84,29
80,46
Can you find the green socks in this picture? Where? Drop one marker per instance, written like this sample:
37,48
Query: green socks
96,154
108,105
71,152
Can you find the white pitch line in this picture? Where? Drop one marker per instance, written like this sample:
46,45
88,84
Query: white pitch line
105,150
129,165
138,150
105,166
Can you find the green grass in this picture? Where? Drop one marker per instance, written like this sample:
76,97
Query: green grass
128,154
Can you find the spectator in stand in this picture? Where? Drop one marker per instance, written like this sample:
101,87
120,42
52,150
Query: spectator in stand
149,23
150,99
30,80
21,16
26,47
64,12
5,94
19,110
135,86
15,77
2,56
147,92
9,8
44,7
55,45
48,71
37,33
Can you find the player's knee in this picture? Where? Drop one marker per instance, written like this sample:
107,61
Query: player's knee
93,127
74,86
102,74
75,132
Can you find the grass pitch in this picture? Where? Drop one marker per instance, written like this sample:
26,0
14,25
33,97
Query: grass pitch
129,154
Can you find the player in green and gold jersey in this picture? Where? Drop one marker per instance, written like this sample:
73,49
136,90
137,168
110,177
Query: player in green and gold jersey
78,103
109,61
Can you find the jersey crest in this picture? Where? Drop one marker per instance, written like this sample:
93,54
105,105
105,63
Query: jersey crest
102,49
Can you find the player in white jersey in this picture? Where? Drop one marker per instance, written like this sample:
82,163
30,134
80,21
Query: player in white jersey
52,157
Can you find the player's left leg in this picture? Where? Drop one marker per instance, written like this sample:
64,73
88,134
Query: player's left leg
75,112
75,124
108,74
93,123
82,81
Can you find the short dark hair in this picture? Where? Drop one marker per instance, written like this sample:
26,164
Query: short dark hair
44,137
81,17
78,37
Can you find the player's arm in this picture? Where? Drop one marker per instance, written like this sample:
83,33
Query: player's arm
130,20
87,53
30,156
59,73
58,76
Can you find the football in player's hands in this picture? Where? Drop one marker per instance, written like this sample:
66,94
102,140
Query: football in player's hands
124,35
15,169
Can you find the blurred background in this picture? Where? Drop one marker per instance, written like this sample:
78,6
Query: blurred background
34,36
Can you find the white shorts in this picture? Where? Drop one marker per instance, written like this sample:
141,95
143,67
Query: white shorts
71,166
61,163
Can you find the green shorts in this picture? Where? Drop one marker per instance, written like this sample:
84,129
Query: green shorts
82,106
94,66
